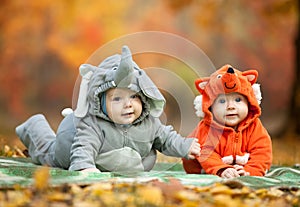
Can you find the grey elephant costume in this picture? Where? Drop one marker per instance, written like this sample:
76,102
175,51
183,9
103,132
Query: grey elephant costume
88,138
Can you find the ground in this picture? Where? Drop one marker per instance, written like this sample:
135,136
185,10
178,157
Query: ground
172,192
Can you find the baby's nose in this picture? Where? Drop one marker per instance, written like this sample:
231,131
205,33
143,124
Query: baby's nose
230,105
127,102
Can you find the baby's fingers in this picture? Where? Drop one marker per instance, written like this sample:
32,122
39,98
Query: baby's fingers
90,170
191,156
241,170
196,144
230,173
196,149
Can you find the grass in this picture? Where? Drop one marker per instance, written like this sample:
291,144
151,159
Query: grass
154,193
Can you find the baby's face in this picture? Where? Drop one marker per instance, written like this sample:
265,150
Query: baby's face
230,109
123,105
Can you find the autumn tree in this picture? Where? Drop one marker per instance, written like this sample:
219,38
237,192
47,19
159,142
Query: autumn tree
295,106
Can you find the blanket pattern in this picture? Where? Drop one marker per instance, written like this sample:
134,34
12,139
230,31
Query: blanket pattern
20,171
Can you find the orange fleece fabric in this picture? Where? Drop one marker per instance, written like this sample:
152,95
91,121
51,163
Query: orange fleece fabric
218,141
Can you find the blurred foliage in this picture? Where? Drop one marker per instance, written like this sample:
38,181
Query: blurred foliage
8,151
42,43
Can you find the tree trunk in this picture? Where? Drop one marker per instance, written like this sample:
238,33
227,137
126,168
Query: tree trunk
295,109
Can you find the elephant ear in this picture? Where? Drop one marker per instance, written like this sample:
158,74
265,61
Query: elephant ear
124,74
86,71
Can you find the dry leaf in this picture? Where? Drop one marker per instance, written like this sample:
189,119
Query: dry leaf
150,195
170,188
41,178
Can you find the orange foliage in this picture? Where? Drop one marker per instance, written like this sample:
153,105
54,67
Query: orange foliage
256,34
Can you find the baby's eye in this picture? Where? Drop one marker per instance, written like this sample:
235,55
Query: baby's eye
134,96
116,99
238,99
222,101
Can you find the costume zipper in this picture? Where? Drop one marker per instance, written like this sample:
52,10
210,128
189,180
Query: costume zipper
125,137
235,142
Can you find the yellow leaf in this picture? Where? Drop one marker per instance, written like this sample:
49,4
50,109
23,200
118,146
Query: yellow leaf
274,192
261,193
226,200
188,198
221,189
98,189
41,178
58,196
151,195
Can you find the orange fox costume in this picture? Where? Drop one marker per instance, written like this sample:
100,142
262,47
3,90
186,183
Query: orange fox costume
219,142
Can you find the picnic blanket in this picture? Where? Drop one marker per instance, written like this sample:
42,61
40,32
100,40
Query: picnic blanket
20,171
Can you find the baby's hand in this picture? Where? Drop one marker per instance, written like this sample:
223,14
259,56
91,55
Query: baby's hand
241,171
230,173
194,150
90,170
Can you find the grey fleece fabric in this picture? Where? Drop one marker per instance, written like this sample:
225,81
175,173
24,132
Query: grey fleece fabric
92,139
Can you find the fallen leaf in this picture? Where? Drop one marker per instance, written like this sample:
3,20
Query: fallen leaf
169,189
41,178
150,195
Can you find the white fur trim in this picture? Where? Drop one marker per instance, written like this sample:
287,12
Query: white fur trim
242,160
227,159
198,100
198,106
257,92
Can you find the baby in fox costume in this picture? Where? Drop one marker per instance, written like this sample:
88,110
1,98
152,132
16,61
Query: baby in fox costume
233,140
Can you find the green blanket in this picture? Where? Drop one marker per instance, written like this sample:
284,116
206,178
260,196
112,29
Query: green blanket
20,171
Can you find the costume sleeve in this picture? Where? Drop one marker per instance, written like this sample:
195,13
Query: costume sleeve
85,147
209,160
192,166
260,149
169,142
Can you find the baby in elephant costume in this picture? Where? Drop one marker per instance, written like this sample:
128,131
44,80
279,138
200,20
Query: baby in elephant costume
115,126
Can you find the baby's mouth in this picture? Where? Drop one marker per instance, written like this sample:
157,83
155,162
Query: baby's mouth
127,114
231,115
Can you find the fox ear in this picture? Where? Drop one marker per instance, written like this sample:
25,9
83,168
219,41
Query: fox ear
201,83
251,75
